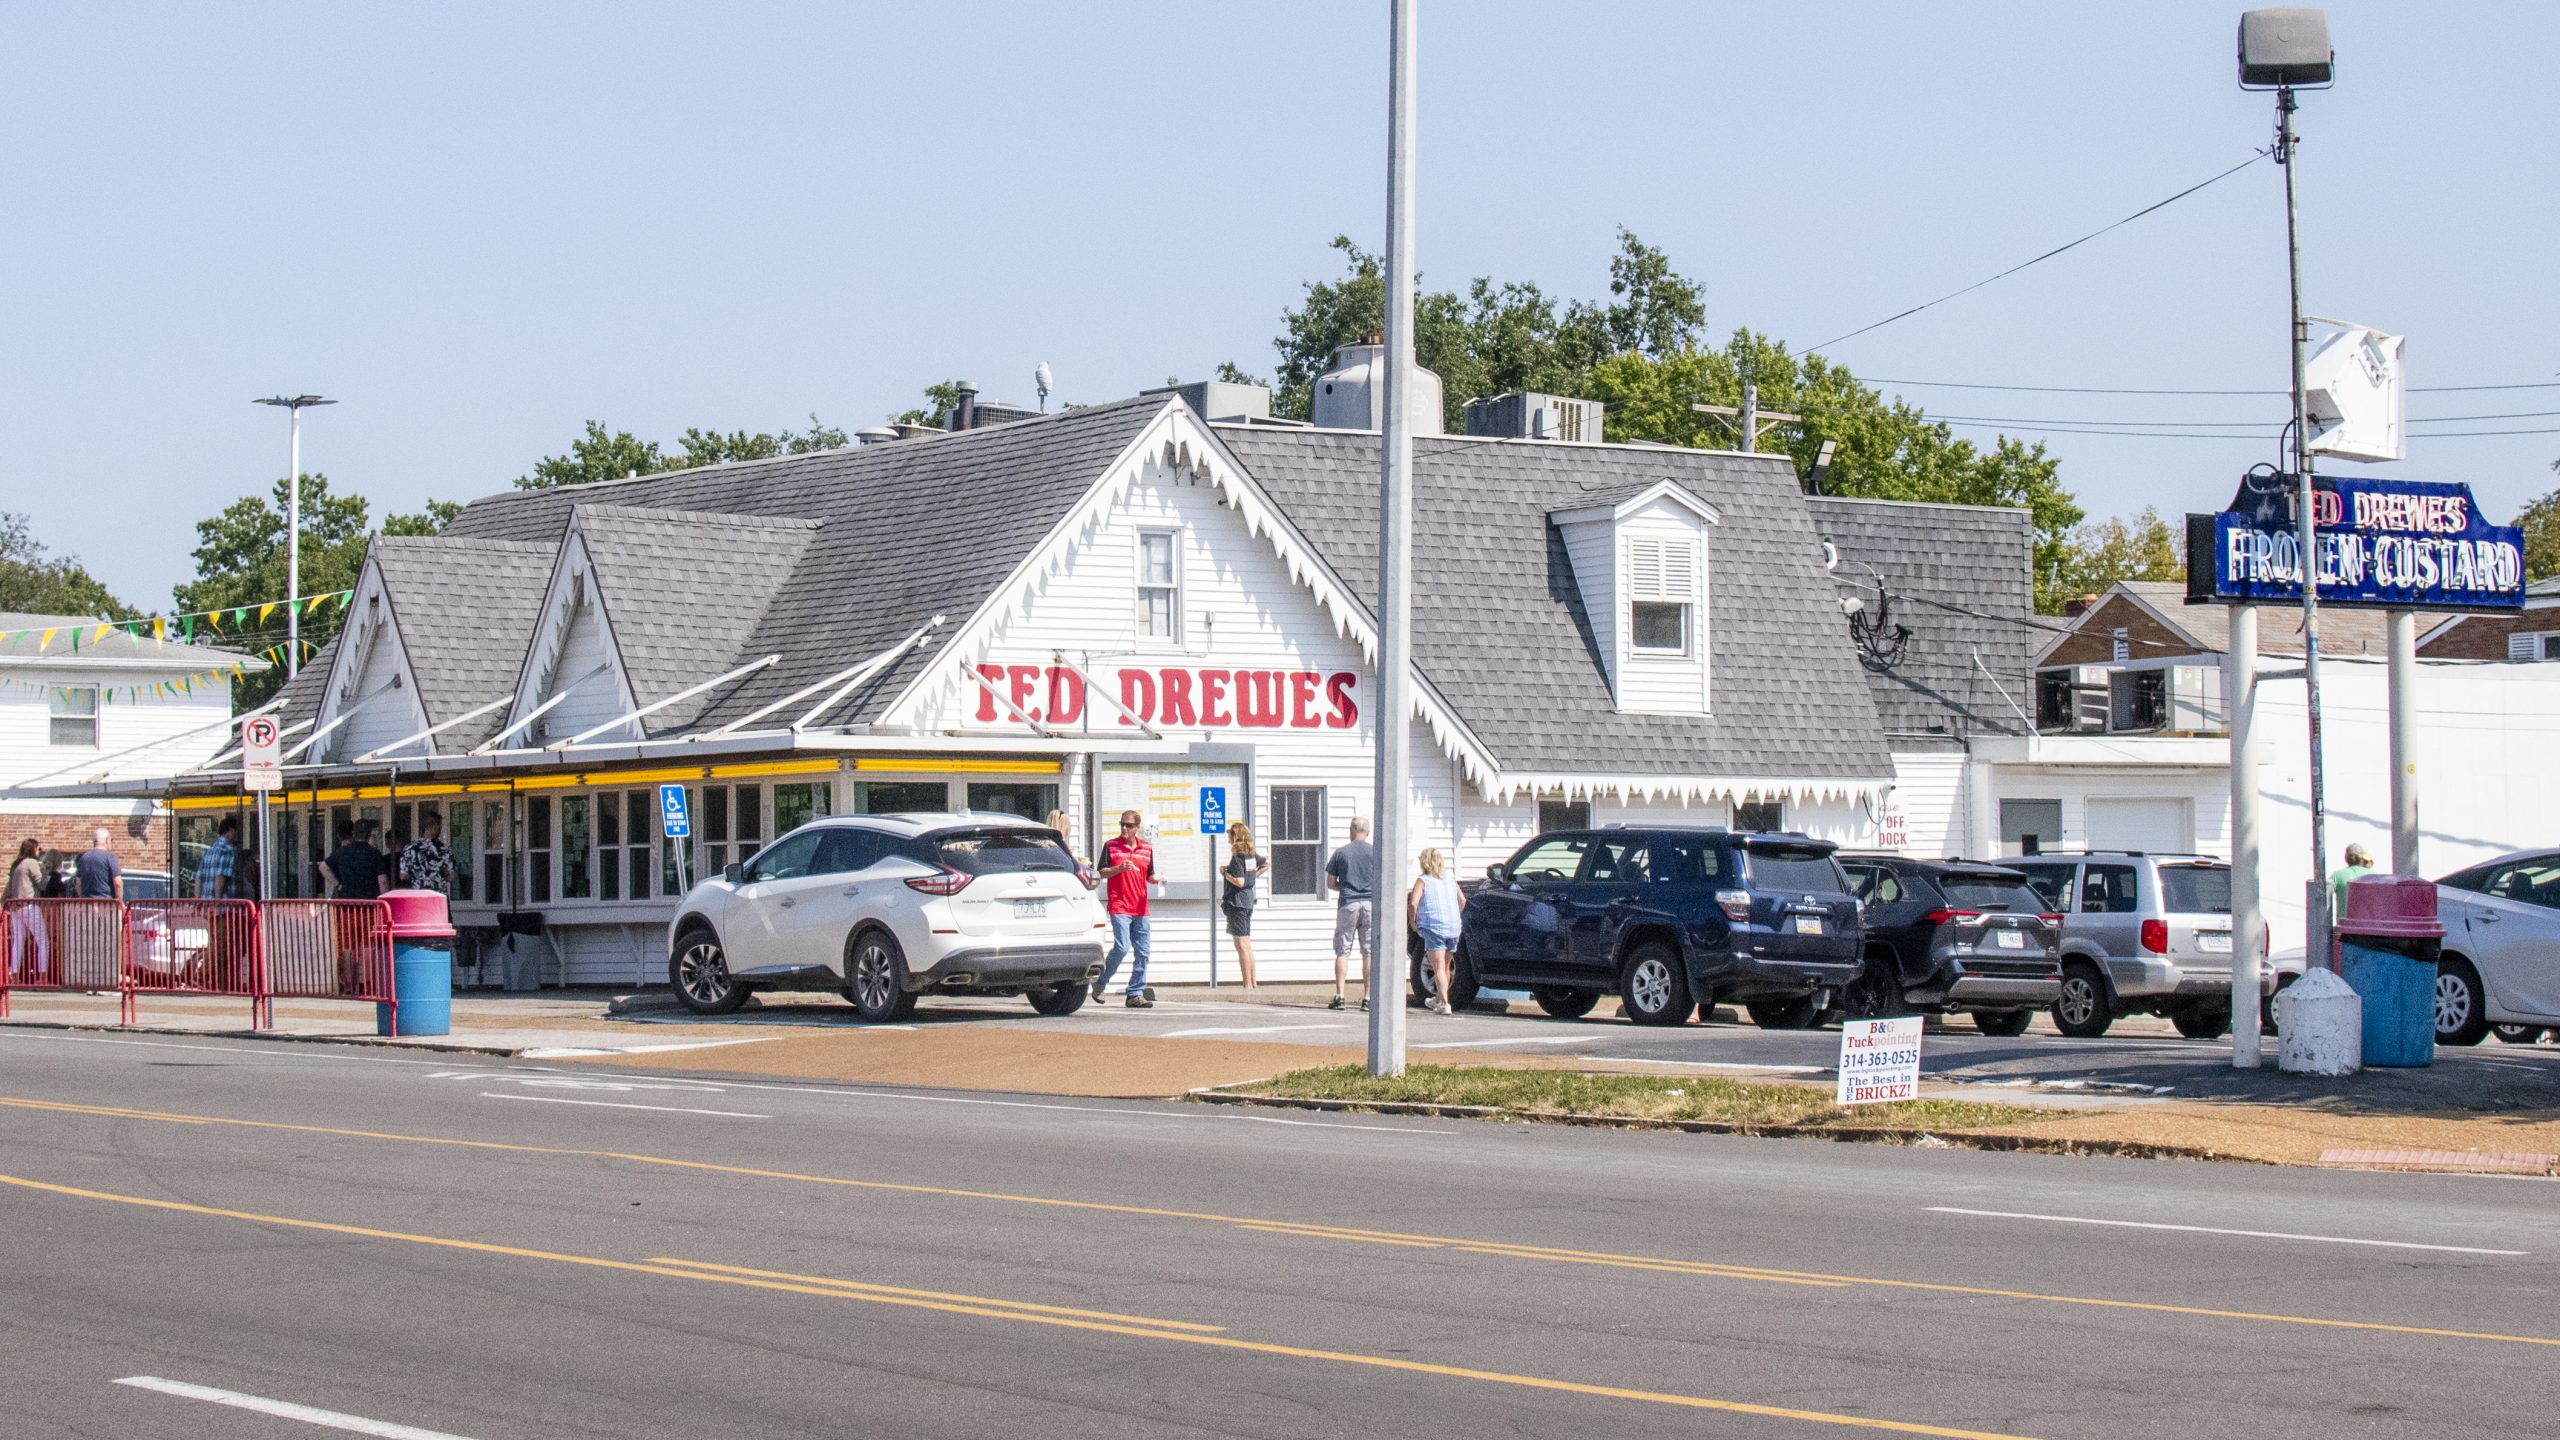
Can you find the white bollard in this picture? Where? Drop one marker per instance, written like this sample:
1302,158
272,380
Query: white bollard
2323,1026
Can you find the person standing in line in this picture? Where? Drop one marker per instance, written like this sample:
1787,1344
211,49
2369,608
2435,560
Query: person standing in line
1244,870
217,872
426,863
1128,867
27,937
101,874
1433,907
1352,876
2359,864
354,871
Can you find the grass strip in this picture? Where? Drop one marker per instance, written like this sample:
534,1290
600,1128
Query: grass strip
1637,1097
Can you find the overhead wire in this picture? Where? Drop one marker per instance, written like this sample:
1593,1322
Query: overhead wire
2128,390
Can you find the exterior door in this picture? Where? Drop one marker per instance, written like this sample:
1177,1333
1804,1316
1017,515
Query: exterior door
2109,917
2512,932
1521,927
1611,887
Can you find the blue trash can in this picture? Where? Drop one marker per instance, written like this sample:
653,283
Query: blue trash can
421,966
2388,943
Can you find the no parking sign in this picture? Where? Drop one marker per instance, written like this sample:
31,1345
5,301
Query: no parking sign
261,754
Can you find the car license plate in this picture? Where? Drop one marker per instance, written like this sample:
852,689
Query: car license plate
2214,942
1030,909
1808,924
2009,940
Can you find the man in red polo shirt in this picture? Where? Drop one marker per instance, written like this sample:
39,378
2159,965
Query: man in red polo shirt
1128,867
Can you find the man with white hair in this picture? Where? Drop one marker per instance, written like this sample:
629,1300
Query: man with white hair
1352,876
98,874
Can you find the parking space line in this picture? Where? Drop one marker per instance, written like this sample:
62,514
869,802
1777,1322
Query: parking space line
2218,1230
1241,1030
622,1105
285,1409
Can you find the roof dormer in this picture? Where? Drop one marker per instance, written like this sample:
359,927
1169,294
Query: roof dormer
1640,563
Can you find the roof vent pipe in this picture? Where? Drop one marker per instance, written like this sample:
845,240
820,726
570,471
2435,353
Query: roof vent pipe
875,435
964,415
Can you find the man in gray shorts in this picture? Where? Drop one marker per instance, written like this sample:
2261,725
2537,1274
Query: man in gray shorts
1352,876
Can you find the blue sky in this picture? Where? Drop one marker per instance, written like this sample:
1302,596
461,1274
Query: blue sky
480,226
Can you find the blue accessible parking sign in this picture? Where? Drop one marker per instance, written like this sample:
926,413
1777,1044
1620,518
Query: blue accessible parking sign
1213,809
674,821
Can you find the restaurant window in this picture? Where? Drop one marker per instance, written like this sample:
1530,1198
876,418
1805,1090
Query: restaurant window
577,831
493,853
1563,815
625,819
195,836
74,712
537,849
1009,797
1297,840
459,837
731,825
797,805
1159,586
1662,588
893,797
1760,815
404,820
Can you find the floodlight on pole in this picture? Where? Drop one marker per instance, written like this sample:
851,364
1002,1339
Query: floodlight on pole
293,405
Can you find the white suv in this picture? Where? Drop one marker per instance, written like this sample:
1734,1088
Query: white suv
886,907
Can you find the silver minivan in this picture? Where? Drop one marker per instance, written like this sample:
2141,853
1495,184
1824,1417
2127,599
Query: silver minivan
2141,934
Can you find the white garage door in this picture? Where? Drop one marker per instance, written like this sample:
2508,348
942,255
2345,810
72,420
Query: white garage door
2157,826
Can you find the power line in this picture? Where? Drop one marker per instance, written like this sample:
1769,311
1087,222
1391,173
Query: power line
2259,434
2124,390
2222,424
2049,254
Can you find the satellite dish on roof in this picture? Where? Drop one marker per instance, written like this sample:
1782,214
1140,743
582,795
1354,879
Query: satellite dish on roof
1040,381
2357,393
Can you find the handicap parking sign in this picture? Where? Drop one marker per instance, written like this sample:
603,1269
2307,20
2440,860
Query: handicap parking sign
674,821
1213,809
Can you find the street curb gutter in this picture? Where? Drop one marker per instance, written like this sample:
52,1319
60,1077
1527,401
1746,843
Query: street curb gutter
379,1042
1868,1134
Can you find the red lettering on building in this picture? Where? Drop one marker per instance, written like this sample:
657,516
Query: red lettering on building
1066,696
1338,690
1022,680
1177,699
1137,695
1258,699
993,675
1302,700
1213,698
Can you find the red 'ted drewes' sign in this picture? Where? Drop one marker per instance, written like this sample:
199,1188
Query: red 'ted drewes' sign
1178,696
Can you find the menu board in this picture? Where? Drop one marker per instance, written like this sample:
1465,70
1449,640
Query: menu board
1168,797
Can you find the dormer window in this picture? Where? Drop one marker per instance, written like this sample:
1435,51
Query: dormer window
1662,589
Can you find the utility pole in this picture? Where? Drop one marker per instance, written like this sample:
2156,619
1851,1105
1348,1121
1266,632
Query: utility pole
293,405
2316,890
1749,421
2248,909
1392,717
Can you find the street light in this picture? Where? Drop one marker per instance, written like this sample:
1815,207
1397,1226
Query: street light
294,406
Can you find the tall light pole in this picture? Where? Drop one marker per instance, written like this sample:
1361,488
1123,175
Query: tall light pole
1394,713
2285,51
293,405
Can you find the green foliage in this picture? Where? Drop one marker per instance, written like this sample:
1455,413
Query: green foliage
2541,522
241,560
430,521
942,399
602,455
34,582
2098,555
710,447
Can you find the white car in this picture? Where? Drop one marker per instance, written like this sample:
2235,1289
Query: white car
886,907
2501,963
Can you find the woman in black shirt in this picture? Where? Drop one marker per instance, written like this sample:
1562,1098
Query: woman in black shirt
1244,870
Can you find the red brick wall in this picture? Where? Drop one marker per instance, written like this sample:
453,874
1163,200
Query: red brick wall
141,842
2095,643
2484,637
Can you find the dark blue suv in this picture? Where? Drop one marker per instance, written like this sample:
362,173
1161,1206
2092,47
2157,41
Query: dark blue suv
1669,918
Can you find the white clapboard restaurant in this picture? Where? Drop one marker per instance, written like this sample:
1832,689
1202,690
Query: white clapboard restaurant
1110,608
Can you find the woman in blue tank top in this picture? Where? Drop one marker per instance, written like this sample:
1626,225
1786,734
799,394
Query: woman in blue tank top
1434,907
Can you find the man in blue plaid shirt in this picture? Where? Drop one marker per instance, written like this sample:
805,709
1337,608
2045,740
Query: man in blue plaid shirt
217,874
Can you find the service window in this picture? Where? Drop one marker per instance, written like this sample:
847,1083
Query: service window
795,805
537,849
493,853
576,866
1013,797
462,839
900,797
1297,840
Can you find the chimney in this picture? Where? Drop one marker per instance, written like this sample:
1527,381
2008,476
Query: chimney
964,416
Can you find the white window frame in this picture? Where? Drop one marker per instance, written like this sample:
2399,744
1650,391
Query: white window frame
56,697
1144,587
1652,580
2534,645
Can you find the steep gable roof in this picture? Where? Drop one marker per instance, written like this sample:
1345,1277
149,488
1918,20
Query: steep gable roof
462,607
674,631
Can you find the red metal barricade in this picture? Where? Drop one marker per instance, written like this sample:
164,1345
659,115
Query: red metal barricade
326,950
195,947
62,945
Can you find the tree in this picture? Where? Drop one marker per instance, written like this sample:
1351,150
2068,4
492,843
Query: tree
710,447
602,455
942,401
2541,523
33,582
2098,555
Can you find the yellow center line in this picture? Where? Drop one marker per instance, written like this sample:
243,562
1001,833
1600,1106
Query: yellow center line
1027,1315
865,1287
1559,1256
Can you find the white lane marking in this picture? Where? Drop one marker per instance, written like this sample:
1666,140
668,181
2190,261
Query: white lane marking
283,1050
1713,1064
622,1105
1516,1040
285,1409
2217,1230
1338,1125
1243,1030
620,1087
560,1051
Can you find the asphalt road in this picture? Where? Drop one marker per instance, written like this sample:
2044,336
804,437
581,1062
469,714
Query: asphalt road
499,1249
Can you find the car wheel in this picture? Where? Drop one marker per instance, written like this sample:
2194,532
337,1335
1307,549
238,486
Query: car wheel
699,971
2517,1034
1565,1004
1420,991
2270,1011
1798,1014
2006,1024
872,975
2205,1021
1873,994
2461,1017
2083,1011
1061,999
1463,984
1653,989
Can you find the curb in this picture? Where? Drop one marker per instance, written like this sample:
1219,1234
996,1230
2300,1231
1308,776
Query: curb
1867,1134
379,1042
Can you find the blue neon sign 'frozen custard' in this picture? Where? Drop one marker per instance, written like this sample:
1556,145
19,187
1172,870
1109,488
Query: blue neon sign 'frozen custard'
2400,544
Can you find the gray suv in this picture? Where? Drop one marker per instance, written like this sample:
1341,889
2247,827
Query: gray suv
2141,934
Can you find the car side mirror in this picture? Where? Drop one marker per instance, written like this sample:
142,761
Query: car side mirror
1498,873
734,873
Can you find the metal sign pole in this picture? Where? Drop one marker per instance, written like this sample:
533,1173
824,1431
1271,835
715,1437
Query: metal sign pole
1391,721
2317,896
2248,910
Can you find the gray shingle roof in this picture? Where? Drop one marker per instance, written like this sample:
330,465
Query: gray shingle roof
1936,563
673,630
908,531
465,608
1499,626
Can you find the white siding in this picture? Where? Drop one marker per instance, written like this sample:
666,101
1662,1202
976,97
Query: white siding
1651,684
385,707
1592,545
27,751
598,698
1927,805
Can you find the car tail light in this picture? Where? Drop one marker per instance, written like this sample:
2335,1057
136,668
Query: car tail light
1737,905
941,882
1941,917
2053,920
2155,936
